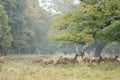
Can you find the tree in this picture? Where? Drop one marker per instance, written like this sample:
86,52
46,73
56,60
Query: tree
91,20
111,29
15,11
5,36
37,22
29,26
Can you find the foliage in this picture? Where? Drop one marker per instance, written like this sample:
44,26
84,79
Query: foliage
5,36
28,26
90,21
24,25
15,12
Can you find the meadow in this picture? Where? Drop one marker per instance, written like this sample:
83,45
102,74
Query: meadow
17,68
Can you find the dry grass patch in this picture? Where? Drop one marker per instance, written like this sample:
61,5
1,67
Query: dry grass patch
28,70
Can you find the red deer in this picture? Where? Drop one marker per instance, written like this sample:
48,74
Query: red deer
50,61
65,60
84,58
1,60
38,59
110,59
97,60
73,60
115,59
62,60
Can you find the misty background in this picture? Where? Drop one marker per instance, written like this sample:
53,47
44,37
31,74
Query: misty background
25,25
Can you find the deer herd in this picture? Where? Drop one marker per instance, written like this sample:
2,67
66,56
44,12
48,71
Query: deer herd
73,60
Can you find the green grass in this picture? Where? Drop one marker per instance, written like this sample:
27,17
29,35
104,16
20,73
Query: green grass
26,69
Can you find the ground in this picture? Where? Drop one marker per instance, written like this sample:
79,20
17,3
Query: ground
27,69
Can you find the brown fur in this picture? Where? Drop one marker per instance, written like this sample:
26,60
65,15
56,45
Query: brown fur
65,60
1,60
50,61
38,59
73,60
62,60
110,59
84,58
97,60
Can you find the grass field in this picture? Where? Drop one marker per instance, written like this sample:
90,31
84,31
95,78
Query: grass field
26,69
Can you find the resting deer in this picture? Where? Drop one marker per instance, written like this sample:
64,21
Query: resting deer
62,60
97,60
50,61
65,60
73,60
38,59
110,59
84,58
1,60
115,58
